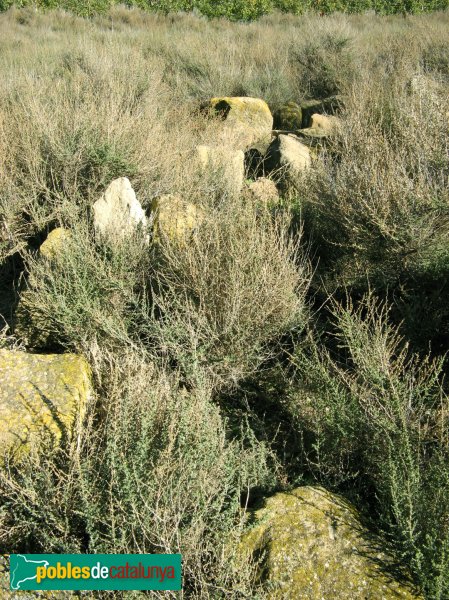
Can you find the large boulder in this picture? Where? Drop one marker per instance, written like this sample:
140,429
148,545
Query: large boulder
40,395
311,544
226,163
117,213
249,118
288,157
174,218
288,117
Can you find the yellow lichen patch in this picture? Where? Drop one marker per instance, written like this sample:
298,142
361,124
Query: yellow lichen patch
40,395
51,247
288,117
310,544
174,218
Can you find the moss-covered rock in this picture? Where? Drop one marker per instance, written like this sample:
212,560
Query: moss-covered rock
310,544
288,117
174,218
250,118
40,394
55,240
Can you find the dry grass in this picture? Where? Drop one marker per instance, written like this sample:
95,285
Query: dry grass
85,101
227,299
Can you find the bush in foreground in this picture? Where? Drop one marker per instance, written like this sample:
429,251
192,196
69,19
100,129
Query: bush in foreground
376,418
154,472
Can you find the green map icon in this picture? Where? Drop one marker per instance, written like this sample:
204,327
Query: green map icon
24,570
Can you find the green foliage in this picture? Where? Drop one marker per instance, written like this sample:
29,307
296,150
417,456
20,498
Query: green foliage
376,209
379,6
161,476
208,393
378,417
242,10
225,303
90,294
214,308
234,9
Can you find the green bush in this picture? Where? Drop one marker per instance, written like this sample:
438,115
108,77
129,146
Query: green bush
376,208
375,418
234,9
226,300
198,347
90,294
216,306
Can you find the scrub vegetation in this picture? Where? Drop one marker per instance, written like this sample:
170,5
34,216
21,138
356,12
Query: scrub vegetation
300,343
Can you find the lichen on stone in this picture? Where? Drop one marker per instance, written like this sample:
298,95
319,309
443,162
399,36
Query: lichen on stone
54,242
249,118
173,218
310,543
40,395
288,117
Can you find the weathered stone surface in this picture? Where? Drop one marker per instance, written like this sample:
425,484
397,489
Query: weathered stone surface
226,163
250,118
310,107
39,393
55,241
312,136
174,218
311,545
321,128
325,123
118,214
263,191
287,155
288,117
